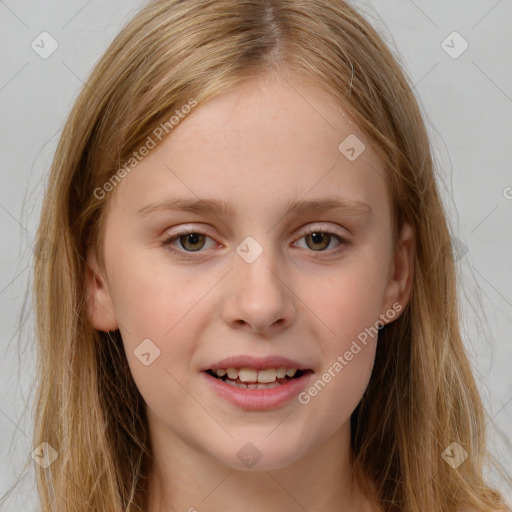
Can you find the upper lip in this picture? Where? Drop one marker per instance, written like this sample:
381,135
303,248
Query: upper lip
258,363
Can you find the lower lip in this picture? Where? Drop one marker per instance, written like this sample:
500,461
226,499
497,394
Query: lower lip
259,399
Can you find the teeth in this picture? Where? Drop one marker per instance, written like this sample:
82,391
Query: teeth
232,373
253,386
247,375
266,376
281,372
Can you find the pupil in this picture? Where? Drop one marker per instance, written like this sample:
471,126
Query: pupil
192,238
320,238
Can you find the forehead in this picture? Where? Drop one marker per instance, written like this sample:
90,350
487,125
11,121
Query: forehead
265,143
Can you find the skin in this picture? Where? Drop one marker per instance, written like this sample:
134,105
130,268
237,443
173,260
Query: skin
259,146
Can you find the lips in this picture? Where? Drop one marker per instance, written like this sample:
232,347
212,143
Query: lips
257,383
257,363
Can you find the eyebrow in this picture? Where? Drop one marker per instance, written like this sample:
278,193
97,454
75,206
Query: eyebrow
225,209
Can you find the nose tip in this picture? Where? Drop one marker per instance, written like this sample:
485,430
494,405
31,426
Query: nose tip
261,301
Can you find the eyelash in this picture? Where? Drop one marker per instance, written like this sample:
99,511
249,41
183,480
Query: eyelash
168,240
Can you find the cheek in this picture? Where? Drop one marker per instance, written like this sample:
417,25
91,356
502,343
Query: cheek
163,303
349,300
145,302
333,396
152,295
347,306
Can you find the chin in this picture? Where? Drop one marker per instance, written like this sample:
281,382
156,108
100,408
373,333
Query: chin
259,454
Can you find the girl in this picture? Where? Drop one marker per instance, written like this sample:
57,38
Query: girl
249,301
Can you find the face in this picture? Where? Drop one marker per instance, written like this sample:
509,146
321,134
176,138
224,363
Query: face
255,286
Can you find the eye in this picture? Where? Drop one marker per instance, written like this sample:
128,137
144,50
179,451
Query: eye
190,241
318,239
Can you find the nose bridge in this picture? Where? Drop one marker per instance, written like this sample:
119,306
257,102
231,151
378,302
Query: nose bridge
259,295
254,266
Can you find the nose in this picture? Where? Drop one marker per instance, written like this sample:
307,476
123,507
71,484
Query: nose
260,300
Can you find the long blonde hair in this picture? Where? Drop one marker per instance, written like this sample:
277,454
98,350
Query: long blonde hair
422,396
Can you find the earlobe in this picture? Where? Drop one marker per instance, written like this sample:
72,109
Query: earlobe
99,304
399,287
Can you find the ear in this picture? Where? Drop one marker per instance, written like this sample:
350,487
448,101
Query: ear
99,304
399,286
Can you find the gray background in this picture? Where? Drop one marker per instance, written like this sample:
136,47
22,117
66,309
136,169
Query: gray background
467,102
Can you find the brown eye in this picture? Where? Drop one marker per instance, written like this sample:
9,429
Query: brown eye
318,240
191,241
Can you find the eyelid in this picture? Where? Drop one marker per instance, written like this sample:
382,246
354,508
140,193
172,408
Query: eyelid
301,231
170,238
322,229
186,231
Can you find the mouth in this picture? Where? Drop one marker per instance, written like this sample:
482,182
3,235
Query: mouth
252,378
257,383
